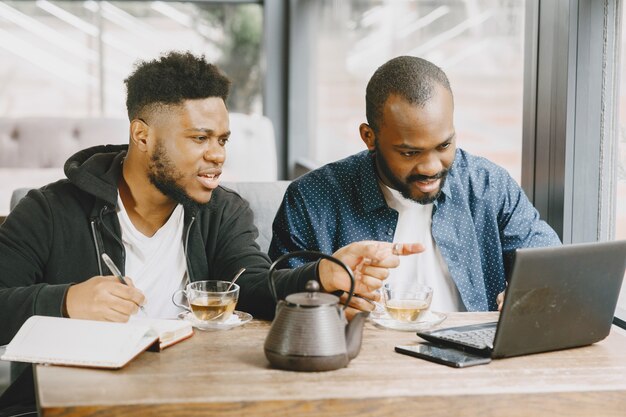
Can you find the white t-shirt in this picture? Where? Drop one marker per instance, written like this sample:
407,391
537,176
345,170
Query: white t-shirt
428,267
157,264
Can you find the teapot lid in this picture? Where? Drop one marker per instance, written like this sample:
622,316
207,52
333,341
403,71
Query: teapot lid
312,297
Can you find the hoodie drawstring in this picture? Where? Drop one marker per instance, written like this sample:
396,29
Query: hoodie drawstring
185,243
96,222
96,235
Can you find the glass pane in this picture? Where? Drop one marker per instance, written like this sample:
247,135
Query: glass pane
620,224
620,218
69,58
479,44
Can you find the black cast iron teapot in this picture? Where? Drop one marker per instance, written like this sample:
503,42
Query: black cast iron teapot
310,331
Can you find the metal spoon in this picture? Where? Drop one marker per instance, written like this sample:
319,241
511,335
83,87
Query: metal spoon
241,271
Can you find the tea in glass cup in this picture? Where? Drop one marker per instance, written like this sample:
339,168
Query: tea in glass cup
210,300
407,305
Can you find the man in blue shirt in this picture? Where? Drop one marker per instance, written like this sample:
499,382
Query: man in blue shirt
413,183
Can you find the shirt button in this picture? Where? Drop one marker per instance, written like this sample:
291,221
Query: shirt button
390,231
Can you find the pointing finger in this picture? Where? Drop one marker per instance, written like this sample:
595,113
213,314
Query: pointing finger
404,249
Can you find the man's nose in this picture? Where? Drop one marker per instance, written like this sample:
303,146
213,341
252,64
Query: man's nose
429,165
215,152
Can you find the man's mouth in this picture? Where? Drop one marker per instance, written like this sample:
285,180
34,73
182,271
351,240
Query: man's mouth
428,186
209,179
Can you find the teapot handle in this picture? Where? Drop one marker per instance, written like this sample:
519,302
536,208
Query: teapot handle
308,254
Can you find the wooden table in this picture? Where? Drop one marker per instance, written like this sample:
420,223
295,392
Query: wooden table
226,374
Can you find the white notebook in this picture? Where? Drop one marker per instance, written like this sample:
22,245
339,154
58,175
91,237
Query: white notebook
63,341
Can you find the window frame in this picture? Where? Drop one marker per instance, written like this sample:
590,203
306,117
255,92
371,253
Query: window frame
569,116
569,165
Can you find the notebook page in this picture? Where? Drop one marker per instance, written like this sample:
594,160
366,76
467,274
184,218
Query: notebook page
68,341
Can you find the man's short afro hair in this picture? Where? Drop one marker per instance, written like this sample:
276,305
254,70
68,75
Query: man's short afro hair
411,78
171,79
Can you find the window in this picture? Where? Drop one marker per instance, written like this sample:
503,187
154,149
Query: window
620,218
73,56
68,60
337,46
620,209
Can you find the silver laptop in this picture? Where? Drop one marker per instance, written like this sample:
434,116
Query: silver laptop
557,297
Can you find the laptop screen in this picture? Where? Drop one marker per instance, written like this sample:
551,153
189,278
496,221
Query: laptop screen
560,297
557,297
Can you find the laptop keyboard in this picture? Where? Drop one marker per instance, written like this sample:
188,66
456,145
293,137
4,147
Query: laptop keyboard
479,338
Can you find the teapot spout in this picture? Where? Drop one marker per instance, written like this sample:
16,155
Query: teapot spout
354,333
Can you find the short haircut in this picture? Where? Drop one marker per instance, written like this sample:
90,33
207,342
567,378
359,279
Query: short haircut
171,79
409,77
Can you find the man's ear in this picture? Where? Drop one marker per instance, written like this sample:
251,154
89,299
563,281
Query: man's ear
368,136
139,134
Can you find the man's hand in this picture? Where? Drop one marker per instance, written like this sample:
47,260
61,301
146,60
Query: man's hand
370,262
103,298
500,300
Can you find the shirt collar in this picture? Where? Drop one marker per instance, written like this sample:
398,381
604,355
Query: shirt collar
369,193
446,190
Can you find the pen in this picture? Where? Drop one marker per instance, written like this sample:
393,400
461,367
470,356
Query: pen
113,268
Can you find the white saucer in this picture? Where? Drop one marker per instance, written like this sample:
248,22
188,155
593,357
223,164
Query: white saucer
428,320
237,319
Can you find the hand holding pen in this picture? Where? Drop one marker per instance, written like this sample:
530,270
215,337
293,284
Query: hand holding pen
116,271
105,298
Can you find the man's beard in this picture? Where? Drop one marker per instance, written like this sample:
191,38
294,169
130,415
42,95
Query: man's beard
164,176
404,186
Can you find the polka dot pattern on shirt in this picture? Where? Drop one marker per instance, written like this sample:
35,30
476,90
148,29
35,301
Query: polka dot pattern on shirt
478,221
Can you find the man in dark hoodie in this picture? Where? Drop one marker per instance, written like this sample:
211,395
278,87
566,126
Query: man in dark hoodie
156,208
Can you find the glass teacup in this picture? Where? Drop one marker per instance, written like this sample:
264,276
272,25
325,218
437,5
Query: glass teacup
407,305
209,301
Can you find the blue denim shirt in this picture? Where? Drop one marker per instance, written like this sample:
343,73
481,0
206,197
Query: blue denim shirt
480,218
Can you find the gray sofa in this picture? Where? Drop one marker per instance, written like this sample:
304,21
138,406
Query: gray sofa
264,199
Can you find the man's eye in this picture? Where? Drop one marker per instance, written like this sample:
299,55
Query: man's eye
223,141
445,145
409,154
200,138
